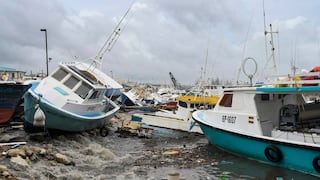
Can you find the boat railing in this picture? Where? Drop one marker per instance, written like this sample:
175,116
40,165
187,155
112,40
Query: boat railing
306,79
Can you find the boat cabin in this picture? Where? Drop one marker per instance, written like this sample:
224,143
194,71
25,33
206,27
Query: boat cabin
197,102
262,110
195,105
81,82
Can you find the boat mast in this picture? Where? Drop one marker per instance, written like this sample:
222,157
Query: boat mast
109,43
203,72
205,69
272,45
273,49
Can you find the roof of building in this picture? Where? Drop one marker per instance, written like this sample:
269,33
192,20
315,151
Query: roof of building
7,69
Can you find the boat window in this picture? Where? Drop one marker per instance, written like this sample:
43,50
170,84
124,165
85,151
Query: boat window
266,97
183,104
95,95
83,90
71,82
226,100
60,74
201,106
191,105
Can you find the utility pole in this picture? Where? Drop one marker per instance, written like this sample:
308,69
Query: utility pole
47,61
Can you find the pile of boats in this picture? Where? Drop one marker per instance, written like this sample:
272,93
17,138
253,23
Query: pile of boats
276,123
179,118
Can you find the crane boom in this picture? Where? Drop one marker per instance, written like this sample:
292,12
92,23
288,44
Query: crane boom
174,81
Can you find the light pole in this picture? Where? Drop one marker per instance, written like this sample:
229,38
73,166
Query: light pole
45,31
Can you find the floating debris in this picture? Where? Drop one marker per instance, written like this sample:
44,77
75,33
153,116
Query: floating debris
12,143
133,128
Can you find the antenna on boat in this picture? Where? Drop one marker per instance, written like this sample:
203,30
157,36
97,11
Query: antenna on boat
110,42
206,63
265,29
244,49
293,61
272,57
203,72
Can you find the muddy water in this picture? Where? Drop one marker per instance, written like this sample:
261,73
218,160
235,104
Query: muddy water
115,157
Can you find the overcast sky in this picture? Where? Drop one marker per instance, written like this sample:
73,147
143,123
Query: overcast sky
161,36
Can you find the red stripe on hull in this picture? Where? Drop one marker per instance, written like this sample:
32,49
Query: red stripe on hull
5,115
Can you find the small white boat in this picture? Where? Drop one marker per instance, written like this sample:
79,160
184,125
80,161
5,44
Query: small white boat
271,124
180,118
131,98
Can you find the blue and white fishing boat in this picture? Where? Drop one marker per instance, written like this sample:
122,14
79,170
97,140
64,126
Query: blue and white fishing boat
275,124
72,98
75,97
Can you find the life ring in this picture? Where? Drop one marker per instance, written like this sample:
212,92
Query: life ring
315,163
255,66
273,153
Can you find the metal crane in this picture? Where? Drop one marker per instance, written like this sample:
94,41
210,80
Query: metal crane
174,81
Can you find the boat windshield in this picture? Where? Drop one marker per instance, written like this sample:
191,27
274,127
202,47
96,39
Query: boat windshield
96,94
226,100
71,82
183,104
60,74
83,90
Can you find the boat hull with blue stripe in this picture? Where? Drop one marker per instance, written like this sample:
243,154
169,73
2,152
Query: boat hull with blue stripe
70,99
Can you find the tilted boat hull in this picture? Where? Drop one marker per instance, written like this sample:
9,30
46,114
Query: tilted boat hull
10,97
6,114
298,157
59,119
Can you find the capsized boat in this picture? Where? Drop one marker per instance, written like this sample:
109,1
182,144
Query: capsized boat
72,98
11,96
180,118
274,124
132,97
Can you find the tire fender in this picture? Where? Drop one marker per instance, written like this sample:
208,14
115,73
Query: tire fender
273,153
